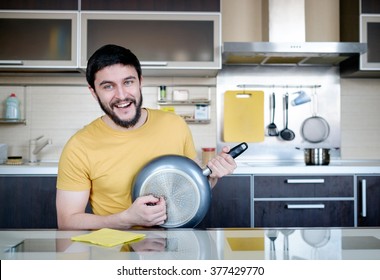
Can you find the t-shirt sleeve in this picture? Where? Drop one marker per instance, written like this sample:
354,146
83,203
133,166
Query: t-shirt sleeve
73,168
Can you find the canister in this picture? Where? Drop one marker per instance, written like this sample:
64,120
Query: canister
207,154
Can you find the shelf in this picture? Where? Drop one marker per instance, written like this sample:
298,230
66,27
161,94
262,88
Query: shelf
15,121
185,102
192,121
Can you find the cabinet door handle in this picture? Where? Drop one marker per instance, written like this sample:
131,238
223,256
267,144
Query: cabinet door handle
11,62
364,198
305,206
154,63
305,181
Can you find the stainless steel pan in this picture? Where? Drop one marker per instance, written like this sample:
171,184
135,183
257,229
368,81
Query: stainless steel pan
183,184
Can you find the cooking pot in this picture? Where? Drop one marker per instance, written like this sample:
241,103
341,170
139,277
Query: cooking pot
317,156
182,183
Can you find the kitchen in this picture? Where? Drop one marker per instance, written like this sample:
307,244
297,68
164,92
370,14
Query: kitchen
57,106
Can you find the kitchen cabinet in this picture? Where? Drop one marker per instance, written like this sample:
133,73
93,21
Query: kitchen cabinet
164,42
43,40
39,5
230,204
28,201
368,194
303,201
360,22
153,5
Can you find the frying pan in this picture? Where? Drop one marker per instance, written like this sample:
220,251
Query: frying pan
315,129
182,183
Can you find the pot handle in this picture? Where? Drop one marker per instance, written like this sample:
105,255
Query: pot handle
234,152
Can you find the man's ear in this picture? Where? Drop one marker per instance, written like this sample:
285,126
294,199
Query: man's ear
93,93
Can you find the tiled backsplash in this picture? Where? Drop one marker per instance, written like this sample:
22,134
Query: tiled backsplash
57,112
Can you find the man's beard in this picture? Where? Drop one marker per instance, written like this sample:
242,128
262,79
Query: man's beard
126,124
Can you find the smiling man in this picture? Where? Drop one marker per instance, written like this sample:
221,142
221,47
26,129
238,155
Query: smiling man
98,164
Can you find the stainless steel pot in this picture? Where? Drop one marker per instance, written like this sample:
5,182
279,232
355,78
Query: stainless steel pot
317,156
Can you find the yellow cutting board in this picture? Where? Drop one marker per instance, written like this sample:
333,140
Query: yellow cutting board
244,116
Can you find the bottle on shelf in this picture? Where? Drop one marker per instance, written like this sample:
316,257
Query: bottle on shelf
12,107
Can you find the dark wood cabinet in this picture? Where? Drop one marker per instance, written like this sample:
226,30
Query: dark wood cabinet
28,202
231,203
153,5
368,201
303,201
39,5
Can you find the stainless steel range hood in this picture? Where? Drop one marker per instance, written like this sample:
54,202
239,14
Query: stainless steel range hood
286,26
282,53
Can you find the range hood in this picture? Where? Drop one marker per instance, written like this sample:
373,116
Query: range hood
283,53
286,26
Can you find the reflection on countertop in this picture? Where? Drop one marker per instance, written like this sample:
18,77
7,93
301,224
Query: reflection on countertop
180,244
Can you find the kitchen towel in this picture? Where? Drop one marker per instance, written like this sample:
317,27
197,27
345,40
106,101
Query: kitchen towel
108,237
244,116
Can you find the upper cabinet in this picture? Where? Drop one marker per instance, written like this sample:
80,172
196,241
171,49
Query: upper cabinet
40,5
152,5
164,42
360,22
38,40
170,37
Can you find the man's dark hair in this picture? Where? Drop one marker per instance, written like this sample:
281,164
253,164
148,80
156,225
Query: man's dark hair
109,55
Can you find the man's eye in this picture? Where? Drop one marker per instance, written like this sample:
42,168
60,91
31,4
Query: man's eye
128,82
107,87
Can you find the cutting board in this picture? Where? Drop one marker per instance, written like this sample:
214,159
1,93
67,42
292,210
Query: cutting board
244,116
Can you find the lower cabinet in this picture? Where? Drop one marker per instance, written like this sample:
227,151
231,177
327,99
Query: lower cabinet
368,194
28,201
303,201
230,204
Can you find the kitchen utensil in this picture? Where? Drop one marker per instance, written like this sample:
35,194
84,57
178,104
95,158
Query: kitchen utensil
315,129
243,116
286,133
286,233
272,235
182,183
272,128
316,238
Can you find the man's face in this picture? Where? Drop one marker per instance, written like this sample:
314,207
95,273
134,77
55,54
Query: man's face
118,91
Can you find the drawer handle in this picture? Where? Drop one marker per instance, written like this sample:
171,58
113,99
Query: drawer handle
11,62
364,198
305,206
305,181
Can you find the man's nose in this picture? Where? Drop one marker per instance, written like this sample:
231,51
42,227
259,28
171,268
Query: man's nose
121,92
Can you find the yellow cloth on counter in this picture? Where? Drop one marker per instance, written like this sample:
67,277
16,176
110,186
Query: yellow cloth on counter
108,237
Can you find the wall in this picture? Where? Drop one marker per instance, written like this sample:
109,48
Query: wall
58,111
360,118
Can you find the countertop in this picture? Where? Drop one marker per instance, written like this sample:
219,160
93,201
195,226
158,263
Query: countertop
189,244
244,167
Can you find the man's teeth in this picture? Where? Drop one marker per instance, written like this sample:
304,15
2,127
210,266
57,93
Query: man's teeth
122,105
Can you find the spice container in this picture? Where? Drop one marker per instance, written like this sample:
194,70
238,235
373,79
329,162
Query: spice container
207,154
163,93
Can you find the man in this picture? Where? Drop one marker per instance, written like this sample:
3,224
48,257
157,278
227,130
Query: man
99,162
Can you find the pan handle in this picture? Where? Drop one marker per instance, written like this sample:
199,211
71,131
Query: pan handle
234,152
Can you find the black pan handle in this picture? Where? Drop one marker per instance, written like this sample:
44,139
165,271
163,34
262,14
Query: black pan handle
234,152
238,150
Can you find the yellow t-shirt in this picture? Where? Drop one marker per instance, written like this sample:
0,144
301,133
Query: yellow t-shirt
105,161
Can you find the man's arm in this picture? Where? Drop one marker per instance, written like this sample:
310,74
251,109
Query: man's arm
71,214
